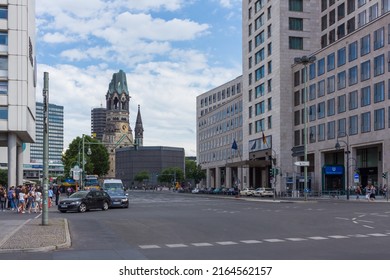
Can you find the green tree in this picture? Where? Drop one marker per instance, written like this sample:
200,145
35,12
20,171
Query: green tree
194,172
3,177
141,176
169,175
95,163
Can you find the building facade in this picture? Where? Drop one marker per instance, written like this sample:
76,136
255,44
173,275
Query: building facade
17,83
153,159
274,34
98,122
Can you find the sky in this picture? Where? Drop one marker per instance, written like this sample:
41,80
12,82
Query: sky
171,51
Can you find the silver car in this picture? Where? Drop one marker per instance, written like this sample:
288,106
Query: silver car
264,192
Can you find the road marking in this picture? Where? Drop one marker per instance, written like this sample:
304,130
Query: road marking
338,236
367,226
377,234
296,239
226,243
341,218
149,246
176,245
251,241
201,244
318,238
358,235
364,221
274,240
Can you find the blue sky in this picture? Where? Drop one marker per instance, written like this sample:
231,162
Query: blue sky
171,51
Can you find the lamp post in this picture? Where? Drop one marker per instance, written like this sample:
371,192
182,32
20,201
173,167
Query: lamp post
89,152
305,60
347,152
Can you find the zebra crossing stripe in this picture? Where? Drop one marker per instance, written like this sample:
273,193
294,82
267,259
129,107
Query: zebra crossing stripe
338,236
226,243
251,241
318,238
377,234
176,245
201,244
274,240
149,246
296,239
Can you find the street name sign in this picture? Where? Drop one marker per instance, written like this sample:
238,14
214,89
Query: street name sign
301,163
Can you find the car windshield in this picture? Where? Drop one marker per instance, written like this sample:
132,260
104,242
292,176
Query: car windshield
113,186
79,195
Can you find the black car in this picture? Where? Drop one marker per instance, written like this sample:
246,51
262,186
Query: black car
118,198
82,201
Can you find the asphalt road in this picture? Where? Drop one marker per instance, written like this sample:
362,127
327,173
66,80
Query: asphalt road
165,225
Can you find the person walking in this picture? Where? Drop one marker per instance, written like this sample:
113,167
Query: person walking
358,191
22,200
3,198
11,198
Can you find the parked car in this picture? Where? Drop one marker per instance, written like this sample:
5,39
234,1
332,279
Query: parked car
247,191
196,190
217,191
82,201
119,198
231,191
264,192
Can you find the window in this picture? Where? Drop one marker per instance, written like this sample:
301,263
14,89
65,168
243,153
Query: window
312,71
353,100
3,113
259,21
373,12
340,31
331,130
269,14
3,87
332,36
341,126
366,122
259,39
259,73
269,85
365,45
321,88
379,38
295,5
321,66
361,3
296,78
269,104
379,119
295,24
353,125
269,66
297,117
331,62
297,99
269,30
379,92
324,41
365,70
385,5
250,13
295,43
4,62
324,22
321,110
312,134
341,80
259,125
250,46
332,17
250,78
351,25
250,129
352,75
324,5
260,108
259,5
341,11
365,98
341,103
350,6
362,18
3,38
331,107
269,47
331,84
321,132
352,51
379,65
259,90
312,92
249,62
341,56
312,113
3,13
259,56
269,122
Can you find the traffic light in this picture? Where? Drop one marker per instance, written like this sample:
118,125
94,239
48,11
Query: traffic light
276,172
271,172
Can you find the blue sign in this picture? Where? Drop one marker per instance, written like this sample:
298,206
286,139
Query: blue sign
356,176
334,170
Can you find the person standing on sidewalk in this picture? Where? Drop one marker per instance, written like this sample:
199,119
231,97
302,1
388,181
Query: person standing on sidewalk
11,198
3,198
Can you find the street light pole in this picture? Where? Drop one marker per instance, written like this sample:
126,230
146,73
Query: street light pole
304,60
337,146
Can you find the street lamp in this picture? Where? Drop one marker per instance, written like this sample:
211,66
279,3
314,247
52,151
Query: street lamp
347,152
305,60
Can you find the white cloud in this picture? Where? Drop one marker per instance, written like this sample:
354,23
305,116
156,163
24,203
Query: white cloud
57,37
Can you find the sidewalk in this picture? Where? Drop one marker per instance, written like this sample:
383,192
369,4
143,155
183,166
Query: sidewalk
31,236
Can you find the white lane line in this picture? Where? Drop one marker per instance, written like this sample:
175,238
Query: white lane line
251,241
358,235
176,245
341,218
338,236
274,240
377,234
318,238
226,243
149,246
202,244
296,239
364,221
367,226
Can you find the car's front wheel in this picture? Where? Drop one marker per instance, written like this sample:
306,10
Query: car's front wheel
105,206
82,208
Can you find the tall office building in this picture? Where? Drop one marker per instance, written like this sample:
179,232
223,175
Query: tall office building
56,134
349,40
98,122
17,84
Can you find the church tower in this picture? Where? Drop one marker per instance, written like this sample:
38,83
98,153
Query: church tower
139,130
117,132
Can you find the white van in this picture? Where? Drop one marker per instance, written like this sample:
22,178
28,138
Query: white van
112,184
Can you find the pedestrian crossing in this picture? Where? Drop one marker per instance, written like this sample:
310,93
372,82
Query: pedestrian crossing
263,241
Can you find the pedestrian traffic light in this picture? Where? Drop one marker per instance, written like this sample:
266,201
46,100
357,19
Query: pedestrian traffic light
271,172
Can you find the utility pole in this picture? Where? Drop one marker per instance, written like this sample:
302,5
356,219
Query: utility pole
45,209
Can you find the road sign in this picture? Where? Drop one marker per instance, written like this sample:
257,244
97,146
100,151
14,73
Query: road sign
356,178
298,151
302,163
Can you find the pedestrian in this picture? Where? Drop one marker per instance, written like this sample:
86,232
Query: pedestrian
57,192
38,200
384,191
30,201
358,191
50,195
3,198
11,198
22,200
372,193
